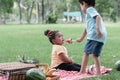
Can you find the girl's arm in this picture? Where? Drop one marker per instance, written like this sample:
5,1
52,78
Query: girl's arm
65,58
83,36
99,34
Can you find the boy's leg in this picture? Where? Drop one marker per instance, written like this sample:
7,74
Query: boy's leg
96,54
84,63
97,65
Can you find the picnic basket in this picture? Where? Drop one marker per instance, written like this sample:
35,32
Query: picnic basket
17,70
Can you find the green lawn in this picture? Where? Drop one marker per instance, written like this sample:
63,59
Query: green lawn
30,40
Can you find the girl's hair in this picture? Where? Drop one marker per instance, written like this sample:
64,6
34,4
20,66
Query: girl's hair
50,34
89,2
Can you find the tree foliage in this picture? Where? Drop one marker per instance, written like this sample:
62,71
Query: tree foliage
6,6
51,18
103,6
109,9
115,11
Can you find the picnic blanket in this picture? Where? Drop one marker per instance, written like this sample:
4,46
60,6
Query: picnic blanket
74,75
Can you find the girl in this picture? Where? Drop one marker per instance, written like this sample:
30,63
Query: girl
59,56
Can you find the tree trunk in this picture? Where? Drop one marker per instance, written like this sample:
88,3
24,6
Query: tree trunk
42,11
82,15
118,9
29,15
54,7
28,21
68,10
20,12
37,12
2,19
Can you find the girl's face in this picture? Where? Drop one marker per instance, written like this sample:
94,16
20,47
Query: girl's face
59,40
83,7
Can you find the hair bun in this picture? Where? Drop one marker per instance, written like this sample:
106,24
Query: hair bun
46,32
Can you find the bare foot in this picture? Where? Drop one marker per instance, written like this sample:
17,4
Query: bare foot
89,69
81,73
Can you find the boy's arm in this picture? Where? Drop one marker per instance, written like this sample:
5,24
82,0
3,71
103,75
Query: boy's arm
83,36
65,58
99,34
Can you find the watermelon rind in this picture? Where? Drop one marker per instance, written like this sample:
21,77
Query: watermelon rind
117,65
35,74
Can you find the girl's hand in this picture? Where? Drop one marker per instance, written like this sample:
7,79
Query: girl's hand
69,41
71,61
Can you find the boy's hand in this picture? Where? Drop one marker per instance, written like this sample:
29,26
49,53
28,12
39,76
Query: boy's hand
79,40
99,34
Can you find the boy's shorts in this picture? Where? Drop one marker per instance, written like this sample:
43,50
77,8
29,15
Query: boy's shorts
93,47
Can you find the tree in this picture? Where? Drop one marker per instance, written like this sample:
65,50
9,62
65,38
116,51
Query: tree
30,7
103,7
115,10
5,8
42,11
76,6
51,11
20,12
68,9
25,10
61,7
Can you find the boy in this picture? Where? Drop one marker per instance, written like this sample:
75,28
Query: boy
96,34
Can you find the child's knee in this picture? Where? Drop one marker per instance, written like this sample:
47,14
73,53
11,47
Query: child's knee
95,56
86,54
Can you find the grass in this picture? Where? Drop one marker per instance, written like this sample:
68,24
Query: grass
30,40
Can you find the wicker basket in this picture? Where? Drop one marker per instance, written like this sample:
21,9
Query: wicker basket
15,70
